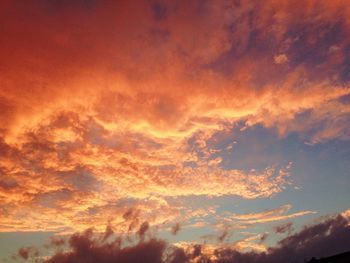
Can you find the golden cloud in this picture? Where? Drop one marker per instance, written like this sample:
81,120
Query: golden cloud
106,104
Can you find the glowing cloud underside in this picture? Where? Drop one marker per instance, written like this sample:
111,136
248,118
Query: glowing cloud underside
110,105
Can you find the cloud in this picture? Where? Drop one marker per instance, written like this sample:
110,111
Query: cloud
325,238
104,76
267,216
142,230
93,169
112,101
175,228
223,235
286,227
27,253
85,249
328,237
320,240
280,59
264,214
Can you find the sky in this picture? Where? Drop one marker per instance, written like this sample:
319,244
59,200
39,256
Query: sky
174,131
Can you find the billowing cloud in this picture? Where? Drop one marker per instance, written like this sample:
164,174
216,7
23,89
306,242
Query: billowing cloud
139,72
77,166
85,249
110,104
326,238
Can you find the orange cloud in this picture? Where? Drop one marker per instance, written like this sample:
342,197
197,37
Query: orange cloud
77,172
101,103
241,221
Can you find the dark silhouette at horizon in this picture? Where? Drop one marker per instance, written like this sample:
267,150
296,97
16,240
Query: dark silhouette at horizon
339,258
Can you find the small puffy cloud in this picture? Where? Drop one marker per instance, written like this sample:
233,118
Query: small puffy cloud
280,59
284,228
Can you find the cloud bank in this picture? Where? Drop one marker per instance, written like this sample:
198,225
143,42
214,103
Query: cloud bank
328,237
109,103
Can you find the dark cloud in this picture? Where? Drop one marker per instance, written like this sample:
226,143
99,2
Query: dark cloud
128,214
27,252
329,237
57,241
7,183
284,228
223,235
159,10
142,230
324,239
23,253
321,240
132,217
108,233
263,237
86,250
87,247
175,229
345,99
177,256
314,39
197,251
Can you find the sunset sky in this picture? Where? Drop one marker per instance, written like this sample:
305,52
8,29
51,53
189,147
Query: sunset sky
219,124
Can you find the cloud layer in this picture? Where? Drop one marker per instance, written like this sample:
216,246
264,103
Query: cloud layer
328,237
106,104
